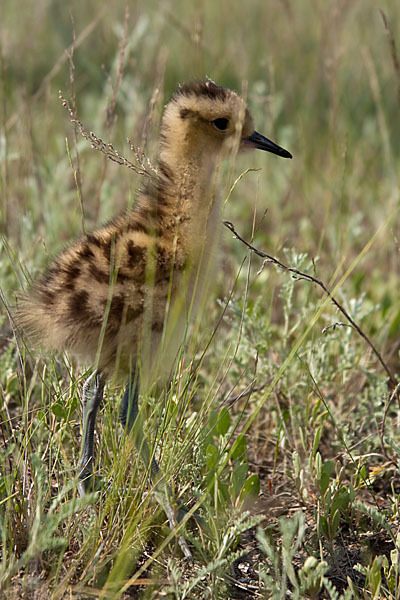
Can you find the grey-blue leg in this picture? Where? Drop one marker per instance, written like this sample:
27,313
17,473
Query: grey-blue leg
92,396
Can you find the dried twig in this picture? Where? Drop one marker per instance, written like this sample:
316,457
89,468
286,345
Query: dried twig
250,389
144,166
334,325
300,275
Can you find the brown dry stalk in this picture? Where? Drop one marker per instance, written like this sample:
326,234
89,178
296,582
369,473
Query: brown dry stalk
300,275
144,166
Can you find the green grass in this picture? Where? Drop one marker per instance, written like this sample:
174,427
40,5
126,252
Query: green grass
298,480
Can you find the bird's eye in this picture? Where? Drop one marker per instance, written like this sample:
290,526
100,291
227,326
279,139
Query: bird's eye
221,124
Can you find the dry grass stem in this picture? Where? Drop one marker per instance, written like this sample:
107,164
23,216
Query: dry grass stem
144,166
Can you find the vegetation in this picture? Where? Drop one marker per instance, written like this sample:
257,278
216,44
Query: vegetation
280,427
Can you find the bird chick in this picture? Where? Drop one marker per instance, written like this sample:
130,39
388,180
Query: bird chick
120,297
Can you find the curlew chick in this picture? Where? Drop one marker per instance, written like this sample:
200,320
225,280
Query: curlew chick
120,297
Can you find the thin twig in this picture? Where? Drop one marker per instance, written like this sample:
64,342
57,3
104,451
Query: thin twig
300,275
250,389
334,325
144,166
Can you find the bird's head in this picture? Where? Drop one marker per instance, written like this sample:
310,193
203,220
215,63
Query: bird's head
203,119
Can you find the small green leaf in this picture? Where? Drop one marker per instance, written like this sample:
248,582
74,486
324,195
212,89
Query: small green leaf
224,420
58,410
212,455
212,419
239,447
251,488
318,464
329,467
323,482
223,493
73,405
374,577
335,523
317,438
327,500
363,474
323,526
238,478
340,500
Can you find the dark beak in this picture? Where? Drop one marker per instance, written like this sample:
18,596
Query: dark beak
256,140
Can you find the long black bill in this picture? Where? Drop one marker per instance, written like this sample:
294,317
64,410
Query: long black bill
256,140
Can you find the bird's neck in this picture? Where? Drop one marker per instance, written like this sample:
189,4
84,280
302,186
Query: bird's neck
188,191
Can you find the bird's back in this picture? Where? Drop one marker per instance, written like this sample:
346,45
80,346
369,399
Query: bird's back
101,295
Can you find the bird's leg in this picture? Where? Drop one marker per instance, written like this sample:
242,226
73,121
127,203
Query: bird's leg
92,397
129,413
